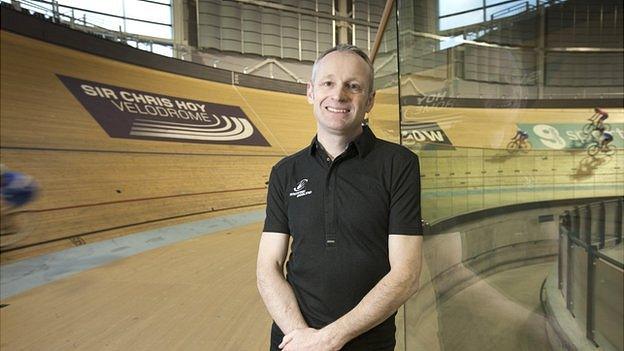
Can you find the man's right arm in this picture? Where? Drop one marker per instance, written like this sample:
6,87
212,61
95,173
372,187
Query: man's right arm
276,293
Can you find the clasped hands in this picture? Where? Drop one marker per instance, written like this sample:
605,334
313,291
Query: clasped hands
305,339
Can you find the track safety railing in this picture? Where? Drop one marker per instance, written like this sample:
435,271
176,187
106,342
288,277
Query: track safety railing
591,270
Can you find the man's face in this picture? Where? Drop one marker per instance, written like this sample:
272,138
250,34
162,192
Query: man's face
340,93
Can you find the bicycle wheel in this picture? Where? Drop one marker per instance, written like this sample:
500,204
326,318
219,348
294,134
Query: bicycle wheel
593,149
512,146
525,146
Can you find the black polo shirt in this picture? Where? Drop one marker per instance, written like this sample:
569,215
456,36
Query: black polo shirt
339,214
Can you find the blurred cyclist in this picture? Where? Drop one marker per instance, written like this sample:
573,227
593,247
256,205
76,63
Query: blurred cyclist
598,117
605,139
16,190
520,136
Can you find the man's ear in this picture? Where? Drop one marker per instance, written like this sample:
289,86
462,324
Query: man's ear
310,93
371,101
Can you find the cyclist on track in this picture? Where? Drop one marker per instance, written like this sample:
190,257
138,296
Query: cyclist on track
16,190
605,139
520,136
598,117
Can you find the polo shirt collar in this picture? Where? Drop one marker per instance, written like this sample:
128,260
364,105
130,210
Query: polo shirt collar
363,143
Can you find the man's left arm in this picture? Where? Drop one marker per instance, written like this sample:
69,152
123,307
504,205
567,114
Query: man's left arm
384,299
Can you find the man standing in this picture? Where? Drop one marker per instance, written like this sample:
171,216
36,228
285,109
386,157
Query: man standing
351,203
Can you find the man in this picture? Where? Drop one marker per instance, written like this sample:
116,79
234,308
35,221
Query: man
351,204
605,138
598,117
16,190
520,136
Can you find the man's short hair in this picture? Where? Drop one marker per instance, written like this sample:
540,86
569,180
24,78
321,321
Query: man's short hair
347,48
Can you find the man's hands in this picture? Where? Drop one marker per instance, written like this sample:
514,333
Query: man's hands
381,301
310,339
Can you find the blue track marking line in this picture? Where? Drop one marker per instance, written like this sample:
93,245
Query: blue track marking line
29,273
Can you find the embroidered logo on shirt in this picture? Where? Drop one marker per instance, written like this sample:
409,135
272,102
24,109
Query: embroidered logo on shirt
300,190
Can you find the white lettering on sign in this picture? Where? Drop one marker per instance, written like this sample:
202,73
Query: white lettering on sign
579,136
97,91
434,135
140,109
190,106
412,136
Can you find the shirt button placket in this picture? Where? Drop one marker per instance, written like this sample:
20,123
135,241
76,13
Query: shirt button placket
330,194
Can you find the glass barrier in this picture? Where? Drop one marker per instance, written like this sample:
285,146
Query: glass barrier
608,292
467,87
578,278
502,101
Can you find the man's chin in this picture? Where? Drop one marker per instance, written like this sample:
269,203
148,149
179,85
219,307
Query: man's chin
341,128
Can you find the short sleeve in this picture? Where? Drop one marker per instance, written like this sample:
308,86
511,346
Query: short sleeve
405,215
276,212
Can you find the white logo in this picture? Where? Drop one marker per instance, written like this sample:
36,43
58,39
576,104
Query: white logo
301,185
299,190
225,128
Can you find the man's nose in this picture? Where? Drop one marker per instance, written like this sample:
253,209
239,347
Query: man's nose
340,94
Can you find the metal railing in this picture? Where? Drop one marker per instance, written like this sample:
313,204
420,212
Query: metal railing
66,15
590,278
513,10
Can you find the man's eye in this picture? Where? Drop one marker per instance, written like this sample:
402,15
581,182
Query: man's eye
355,87
326,84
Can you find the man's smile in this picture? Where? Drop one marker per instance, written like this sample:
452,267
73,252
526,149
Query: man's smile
337,110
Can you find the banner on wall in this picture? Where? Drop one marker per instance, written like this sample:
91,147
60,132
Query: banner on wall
134,114
425,135
560,136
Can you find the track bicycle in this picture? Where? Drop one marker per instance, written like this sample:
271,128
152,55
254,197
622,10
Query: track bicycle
519,144
595,148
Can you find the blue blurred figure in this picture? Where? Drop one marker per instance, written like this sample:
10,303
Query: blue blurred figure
16,190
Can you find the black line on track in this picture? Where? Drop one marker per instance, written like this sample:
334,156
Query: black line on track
137,200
